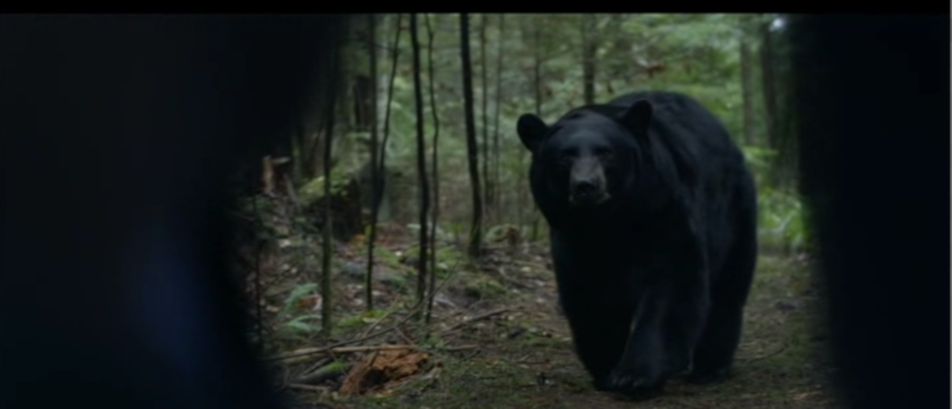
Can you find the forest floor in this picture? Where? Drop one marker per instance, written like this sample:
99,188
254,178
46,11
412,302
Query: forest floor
497,339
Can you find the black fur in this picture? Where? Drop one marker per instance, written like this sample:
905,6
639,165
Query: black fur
673,249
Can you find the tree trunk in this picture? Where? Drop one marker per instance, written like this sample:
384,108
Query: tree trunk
589,54
537,82
421,162
436,174
537,65
475,236
747,89
298,141
496,192
484,85
328,247
768,74
362,102
376,176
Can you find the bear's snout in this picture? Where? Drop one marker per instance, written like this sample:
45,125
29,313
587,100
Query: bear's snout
587,183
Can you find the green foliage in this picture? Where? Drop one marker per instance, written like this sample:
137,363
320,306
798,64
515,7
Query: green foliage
314,189
495,233
759,161
384,255
299,325
350,322
336,366
296,295
447,258
700,54
781,223
482,287
293,323
781,220
434,341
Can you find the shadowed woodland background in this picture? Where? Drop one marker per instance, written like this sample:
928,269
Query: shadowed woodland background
459,309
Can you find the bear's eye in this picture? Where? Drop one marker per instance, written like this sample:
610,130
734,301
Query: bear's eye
565,160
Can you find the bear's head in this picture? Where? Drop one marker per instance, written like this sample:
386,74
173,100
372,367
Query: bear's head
589,157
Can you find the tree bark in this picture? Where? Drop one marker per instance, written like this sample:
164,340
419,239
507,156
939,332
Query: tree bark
496,192
376,177
328,247
768,74
475,236
436,174
747,89
484,94
421,162
589,54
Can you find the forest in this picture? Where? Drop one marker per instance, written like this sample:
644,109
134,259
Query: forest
391,249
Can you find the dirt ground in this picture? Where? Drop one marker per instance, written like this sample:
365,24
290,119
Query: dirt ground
497,340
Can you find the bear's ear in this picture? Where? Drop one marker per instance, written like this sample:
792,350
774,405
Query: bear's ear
638,117
532,130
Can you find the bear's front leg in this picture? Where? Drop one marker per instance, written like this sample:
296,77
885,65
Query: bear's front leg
684,285
641,370
600,336
668,326
685,319
600,320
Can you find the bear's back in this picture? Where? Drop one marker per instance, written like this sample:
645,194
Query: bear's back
682,123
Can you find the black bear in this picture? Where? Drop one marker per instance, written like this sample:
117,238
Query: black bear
653,218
